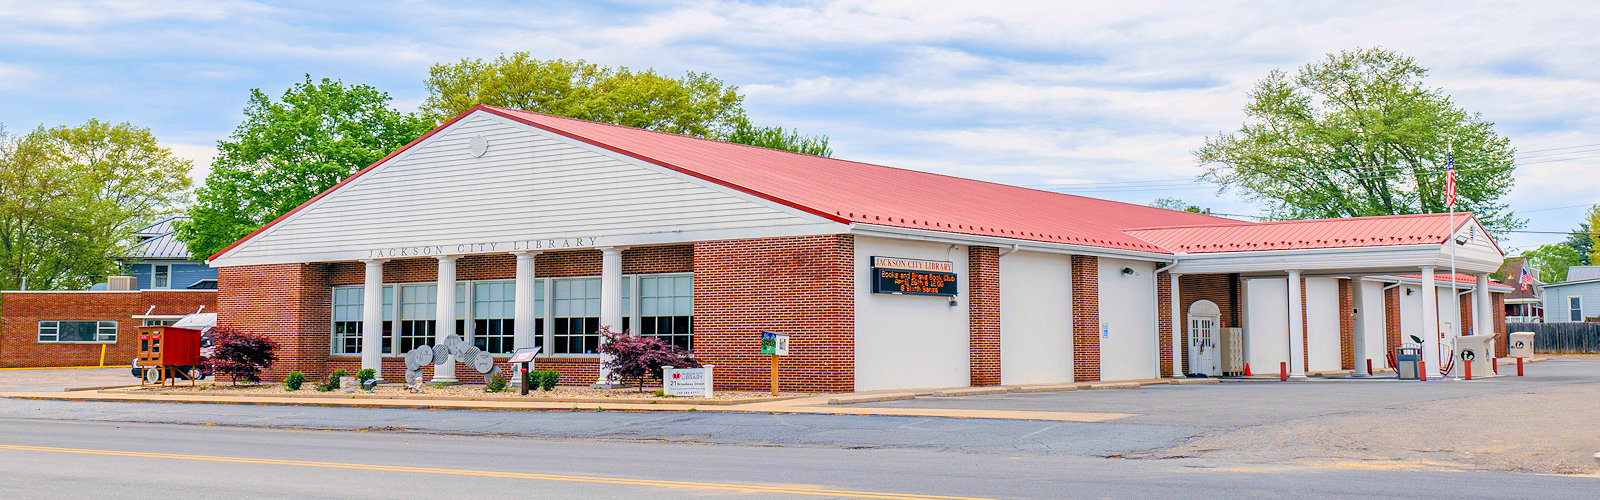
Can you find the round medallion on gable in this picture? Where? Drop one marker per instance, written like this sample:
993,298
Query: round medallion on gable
478,146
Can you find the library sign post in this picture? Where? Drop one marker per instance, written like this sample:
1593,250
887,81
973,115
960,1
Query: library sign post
775,344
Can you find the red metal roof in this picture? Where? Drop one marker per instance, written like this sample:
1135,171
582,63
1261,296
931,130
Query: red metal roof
853,192
848,191
1305,234
1458,278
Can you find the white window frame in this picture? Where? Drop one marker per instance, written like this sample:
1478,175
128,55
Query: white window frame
1575,303
153,273
105,332
638,305
545,311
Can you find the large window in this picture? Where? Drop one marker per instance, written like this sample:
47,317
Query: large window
566,323
577,316
494,305
1575,308
417,315
77,331
666,309
160,276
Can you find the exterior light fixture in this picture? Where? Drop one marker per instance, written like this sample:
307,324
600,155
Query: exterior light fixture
1128,271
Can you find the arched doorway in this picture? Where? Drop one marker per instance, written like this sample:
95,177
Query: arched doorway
1201,333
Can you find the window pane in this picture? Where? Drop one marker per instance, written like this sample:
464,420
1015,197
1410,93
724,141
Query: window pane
667,309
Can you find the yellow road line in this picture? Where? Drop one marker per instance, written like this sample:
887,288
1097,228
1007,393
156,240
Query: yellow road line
743,488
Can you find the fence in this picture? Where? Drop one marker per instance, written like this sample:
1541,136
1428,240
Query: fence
1561,338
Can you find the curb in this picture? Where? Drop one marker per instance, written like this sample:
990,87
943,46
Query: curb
871,398
975,391
424,397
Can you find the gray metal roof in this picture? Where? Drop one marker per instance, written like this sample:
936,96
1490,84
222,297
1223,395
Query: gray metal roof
1580,273
159,242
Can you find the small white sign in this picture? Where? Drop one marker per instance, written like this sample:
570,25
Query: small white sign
687,381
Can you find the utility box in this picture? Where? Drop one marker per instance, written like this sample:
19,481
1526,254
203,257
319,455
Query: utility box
1406,360
1478,351
1520,346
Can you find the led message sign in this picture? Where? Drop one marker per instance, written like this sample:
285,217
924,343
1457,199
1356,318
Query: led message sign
898,276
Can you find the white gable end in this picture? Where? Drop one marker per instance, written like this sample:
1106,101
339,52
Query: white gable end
529,189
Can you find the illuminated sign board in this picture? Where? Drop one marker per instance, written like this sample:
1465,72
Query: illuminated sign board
893,275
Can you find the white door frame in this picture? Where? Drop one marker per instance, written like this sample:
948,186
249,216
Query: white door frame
1204,354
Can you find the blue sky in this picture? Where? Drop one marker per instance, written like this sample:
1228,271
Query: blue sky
1092,98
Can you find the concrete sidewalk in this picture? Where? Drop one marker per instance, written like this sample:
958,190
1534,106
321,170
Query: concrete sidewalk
802,405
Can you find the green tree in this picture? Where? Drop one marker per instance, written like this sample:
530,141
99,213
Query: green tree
1358,134
1585,241
694,104
288,151
1176,204
71,197
777,138
1552,261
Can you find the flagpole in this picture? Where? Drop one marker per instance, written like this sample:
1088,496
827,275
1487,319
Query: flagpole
1455,296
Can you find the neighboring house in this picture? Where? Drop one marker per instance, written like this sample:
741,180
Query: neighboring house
160,262
99,326
1576,299
1524,304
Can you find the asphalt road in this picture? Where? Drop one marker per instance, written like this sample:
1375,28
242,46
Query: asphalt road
67,459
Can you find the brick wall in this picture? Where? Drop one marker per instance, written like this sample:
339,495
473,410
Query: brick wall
1305,330
1220,289
983,314
1347,324
21,312
1164,331
285,302
1500,334
803,286
1085,318
1465,309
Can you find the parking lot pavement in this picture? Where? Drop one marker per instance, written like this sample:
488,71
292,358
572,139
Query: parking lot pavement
56,379
1239,404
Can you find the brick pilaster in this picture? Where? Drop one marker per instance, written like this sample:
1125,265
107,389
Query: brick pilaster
1085,318
983,315
1164,322
1347,325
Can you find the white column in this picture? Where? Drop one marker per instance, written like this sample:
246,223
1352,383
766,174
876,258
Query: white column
610,298
445,316
1358,301
1297,341
1430,319
522,322
372,317
1177,329
1482,308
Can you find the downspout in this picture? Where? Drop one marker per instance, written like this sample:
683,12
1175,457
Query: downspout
1014,247
1155,301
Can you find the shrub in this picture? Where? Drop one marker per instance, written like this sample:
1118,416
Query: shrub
331,383
638,358
241,355
496,383
366,374
294,381
551,377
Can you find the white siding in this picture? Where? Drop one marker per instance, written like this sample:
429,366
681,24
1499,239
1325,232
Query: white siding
1035,318
1267,327
1127,317
529,185
1322,324
1372,324
909,341
1557,308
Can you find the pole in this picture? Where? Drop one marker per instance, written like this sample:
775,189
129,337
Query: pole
102,355
774,374
1519,367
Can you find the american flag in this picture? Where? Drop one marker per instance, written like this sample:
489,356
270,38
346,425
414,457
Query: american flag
1526,280
1450,180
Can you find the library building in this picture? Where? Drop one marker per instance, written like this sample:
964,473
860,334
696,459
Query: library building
514,229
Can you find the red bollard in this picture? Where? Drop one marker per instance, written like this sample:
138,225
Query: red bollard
1369,366
1494,364
1519,367
1283,371
1422,370
1467,366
